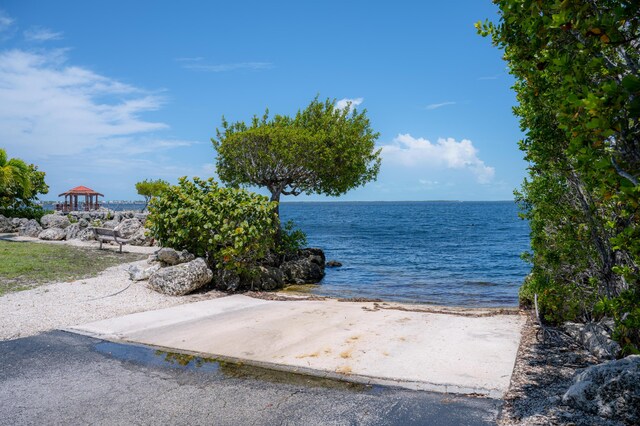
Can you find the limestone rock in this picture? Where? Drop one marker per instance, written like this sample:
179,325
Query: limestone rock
17,222
174,257
5,224
611,390
139,273
268,278
110,224
595,337
54,221
141,238
225,280
128,227
303,271
72,231
54,234
181,279
30,229
83,223
86,234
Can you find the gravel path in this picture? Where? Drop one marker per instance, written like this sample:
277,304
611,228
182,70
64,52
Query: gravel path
59,305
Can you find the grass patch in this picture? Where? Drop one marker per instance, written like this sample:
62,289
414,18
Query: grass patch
26,265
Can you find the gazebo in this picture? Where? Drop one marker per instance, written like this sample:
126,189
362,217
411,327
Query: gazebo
71,199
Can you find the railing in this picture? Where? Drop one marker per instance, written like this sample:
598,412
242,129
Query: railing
68,207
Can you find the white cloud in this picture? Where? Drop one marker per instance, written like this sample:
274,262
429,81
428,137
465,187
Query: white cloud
5,21
344,102
440,105
49,107
408,152
197,64
39,34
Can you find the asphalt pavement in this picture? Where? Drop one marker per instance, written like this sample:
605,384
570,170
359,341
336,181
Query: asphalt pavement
62,378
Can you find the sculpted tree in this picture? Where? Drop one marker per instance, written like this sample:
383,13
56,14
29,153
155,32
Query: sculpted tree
151,188
14,175
322,150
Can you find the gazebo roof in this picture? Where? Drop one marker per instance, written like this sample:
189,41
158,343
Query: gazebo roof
81,190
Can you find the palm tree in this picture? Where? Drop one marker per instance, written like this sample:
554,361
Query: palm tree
14,174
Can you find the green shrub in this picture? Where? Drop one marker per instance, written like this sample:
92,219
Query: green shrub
291,239
31,212
625,311
231,228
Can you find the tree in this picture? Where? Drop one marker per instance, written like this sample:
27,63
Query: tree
151,188
577,70
14,175
20,183
322,150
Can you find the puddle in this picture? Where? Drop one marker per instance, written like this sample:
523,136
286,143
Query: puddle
219,369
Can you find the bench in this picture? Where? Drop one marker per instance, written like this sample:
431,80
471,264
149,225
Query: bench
109,235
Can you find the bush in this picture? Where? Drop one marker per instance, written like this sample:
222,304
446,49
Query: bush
231,228
31,212
292,239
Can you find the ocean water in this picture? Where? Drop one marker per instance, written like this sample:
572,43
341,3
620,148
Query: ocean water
446,253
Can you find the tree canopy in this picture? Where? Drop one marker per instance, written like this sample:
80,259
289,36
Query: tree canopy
322,149
151,188
577,70
20,183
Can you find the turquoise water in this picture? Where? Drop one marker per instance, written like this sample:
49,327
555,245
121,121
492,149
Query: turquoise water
448,253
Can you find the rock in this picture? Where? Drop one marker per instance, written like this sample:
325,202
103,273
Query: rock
181,279
86,234
267,278
5,224
30,229
55,234
174,257
139,273
54,221
128,227
303,271
17,222
611,390
141,238
142,217
226,280
595,337
83,223
334,264
110,224
72,231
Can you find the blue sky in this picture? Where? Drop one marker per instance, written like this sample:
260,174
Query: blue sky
105,94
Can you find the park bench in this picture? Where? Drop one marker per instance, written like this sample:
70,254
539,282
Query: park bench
109,235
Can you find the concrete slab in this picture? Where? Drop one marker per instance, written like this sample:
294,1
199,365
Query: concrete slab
361,342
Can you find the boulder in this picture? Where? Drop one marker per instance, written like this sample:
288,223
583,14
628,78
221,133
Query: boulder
128,227
225,280
55,234
141,238
174,257
595,337
611,390
268,278
334,264
303,271
5,224
30,229
83,223
54,221
110,224
72,231
17,222
139,272
181,279
86,234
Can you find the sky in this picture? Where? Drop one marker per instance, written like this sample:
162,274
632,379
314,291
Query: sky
106,94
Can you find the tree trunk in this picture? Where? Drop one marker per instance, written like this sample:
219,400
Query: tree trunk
275,196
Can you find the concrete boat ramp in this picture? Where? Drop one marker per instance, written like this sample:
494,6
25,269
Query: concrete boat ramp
461,351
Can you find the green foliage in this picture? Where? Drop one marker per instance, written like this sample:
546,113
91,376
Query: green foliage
625,311
20,183
578,90
151,188
291,239
232,228
30,212
322,150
